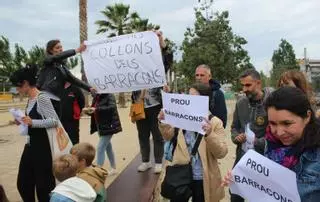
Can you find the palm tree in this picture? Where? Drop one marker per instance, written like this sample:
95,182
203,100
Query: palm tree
36,55
83,30
118,22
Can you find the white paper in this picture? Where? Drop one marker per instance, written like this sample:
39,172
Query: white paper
185,111
250,136
18,115
258,179
124,63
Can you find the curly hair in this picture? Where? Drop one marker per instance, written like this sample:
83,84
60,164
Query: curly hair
27,73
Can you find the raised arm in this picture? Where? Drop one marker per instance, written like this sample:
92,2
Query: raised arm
77,82
59,57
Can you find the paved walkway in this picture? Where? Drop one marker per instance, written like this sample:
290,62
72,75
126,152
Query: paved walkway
125,145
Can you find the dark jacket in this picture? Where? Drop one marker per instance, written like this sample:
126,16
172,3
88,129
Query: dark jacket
105,119
55,74
255,114
72,103
217,104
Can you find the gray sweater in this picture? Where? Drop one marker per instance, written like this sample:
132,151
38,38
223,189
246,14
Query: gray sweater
254,114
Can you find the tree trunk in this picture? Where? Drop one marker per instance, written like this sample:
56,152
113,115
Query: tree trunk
122,100
83,36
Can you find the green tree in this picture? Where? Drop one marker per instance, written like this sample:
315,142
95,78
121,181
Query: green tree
20,56
72,62
212,42
283,59
265,79
6,58
117,20
36,55
11,61
138,24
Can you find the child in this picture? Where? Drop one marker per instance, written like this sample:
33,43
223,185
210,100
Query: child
71,188
95,176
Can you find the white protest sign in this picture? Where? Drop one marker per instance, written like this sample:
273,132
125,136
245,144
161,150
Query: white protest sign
250,136
124,63
185,111
258,179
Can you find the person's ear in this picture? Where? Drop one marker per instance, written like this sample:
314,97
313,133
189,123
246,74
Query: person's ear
309,114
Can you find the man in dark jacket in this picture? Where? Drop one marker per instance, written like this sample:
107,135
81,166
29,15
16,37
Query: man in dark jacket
249,110
217,105
72,103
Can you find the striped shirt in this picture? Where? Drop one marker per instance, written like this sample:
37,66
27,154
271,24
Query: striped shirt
45,109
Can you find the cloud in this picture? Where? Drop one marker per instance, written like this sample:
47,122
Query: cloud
262,22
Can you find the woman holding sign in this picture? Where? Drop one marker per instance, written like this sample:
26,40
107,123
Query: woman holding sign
293,139
55,74
206,177
35,169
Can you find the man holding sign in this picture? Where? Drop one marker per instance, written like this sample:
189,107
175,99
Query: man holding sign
249,118
190,112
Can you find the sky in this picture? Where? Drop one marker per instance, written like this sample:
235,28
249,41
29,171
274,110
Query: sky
263,23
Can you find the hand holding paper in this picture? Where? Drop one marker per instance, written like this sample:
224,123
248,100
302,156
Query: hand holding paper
187,112
18,116
241,138
207,127
250,137
258,179
161,115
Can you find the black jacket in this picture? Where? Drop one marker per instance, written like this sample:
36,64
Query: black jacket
217,104
105,118
72,103
54,74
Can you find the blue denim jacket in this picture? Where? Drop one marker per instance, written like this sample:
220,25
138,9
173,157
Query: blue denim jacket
308,175
56,197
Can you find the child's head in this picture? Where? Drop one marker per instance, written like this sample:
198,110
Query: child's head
85,154
64,167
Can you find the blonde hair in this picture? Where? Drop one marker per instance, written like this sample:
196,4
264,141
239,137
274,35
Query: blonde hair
299,80
84,151
64,167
